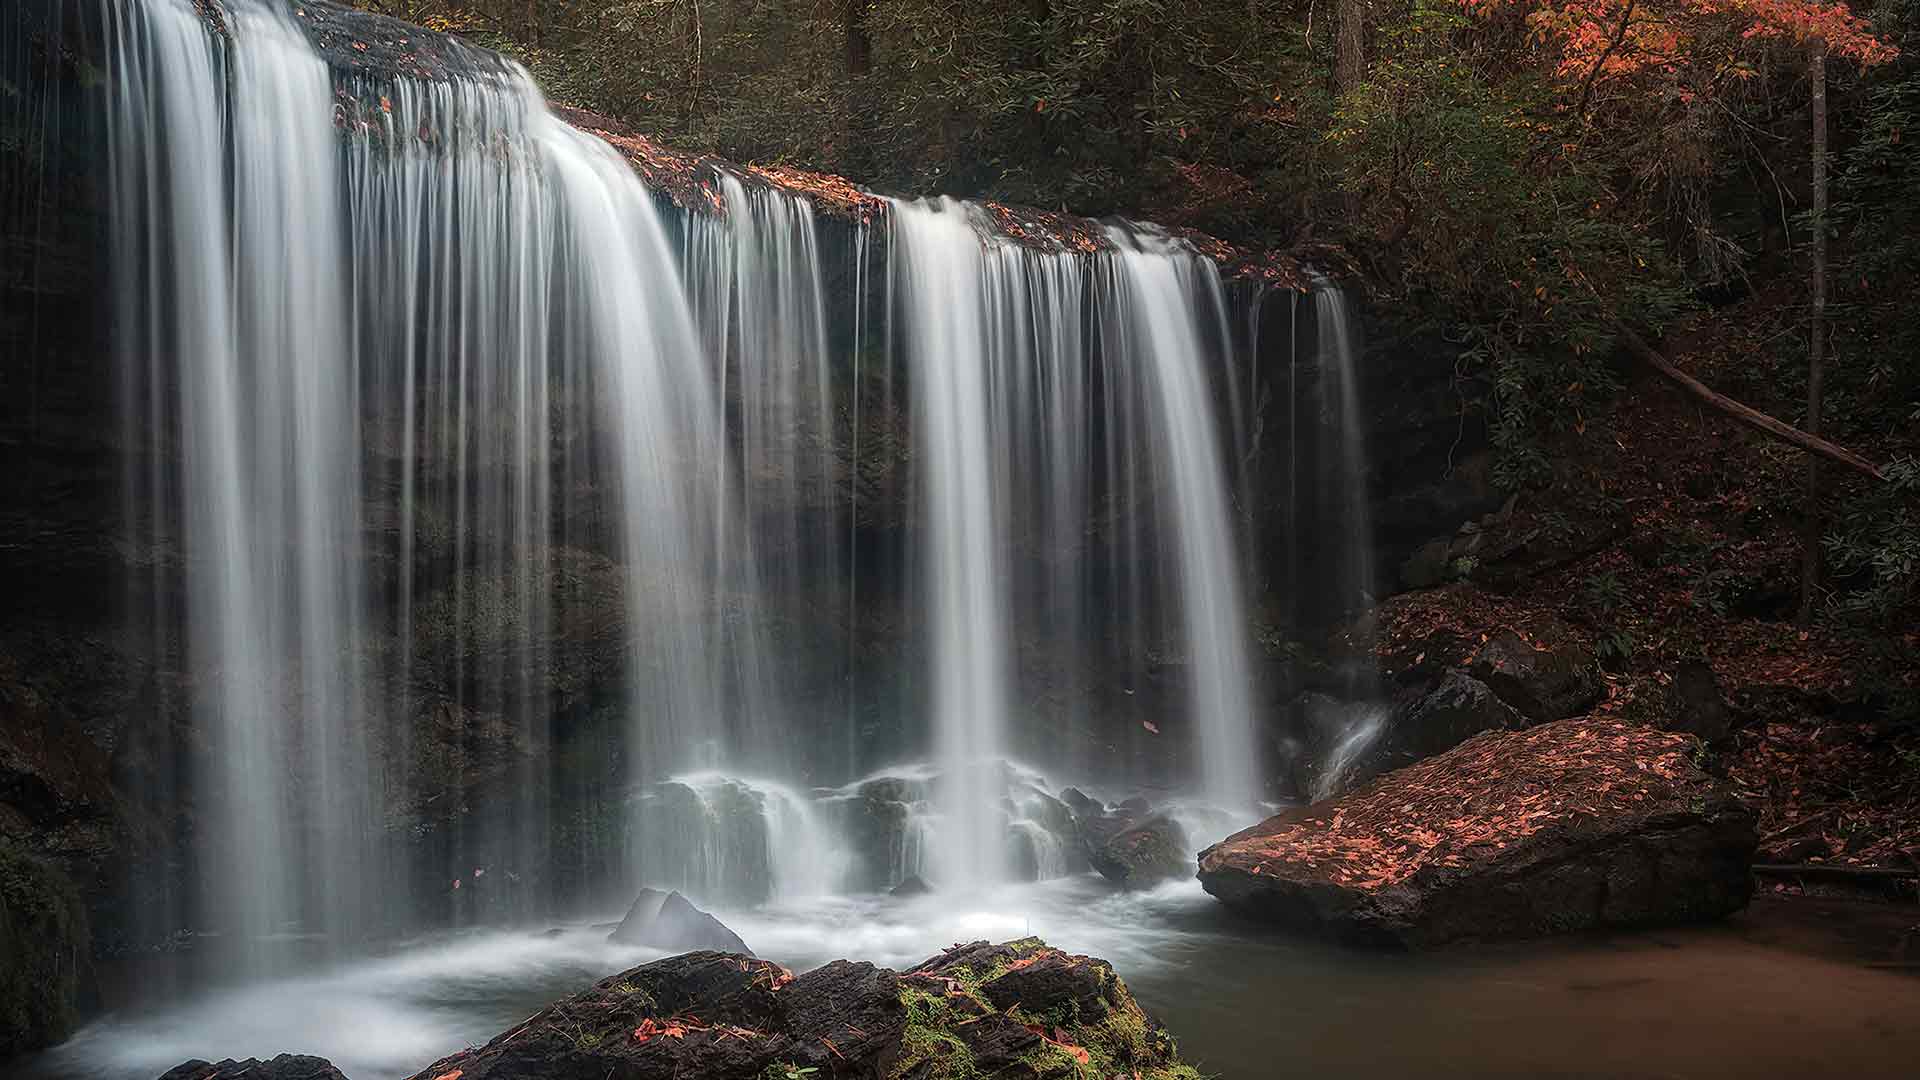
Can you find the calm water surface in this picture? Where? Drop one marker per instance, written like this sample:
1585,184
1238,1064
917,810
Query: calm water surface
1790,989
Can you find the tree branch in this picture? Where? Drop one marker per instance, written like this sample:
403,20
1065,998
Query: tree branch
1593,76
1751,417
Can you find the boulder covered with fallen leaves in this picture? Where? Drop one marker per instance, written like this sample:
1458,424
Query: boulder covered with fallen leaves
1537,662
1569,825
719,1016
1546,676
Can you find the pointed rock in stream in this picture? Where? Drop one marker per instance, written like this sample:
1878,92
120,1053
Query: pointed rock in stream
670,921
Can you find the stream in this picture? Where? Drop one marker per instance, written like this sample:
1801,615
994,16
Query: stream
1789,988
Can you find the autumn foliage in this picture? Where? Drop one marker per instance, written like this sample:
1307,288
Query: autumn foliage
1597,39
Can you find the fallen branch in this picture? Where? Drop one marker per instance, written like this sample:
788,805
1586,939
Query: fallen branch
1753,418
1836,872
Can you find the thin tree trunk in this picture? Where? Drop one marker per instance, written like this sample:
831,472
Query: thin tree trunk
1350,60
1817,353
853,21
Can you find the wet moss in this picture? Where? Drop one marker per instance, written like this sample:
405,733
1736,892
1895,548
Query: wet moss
44,953
929,1042
1124,1041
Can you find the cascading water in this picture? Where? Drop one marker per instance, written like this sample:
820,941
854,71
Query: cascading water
510,526
243,265
320,251
954,287
1167,299
754,279
1347,428
1003,379
455,403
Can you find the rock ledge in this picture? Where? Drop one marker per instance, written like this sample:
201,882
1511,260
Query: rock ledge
1574,824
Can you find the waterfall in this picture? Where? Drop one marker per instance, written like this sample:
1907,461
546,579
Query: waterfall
1339,359
401,246
1168,300
456,428
957,290
755,280
242,264
1002,381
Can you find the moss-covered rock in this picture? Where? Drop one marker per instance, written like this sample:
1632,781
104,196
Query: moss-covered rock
44,954
1024,1009
1018,1010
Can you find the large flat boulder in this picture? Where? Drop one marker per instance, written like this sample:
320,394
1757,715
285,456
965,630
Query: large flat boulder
1569,825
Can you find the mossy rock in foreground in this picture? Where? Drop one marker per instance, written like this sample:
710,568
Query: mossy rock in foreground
1024,1009
44,953
1018,1010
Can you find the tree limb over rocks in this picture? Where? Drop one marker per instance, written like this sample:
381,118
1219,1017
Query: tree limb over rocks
1747,415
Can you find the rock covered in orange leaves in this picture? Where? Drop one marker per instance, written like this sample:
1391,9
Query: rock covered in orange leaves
1569,825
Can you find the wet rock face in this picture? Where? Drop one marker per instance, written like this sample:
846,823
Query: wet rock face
45,960
1443,718
1344,744
1575,824
670,921
910,886
1545,679
284,1067
1144,853
1130,844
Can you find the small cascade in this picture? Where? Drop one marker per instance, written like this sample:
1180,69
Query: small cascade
735,843
1006,410
1340,361
962,338
887,825
1167,302
1351,726
754,278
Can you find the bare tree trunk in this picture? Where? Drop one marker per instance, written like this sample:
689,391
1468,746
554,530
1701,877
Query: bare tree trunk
1350,31
1817,353
853,21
